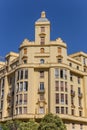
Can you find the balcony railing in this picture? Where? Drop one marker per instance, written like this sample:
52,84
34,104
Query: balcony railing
41,90
72,93
80,95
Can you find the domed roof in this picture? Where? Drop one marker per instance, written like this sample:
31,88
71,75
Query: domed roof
43,17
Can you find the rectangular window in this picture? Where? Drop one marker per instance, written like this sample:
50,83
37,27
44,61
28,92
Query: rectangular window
20,99
26,74
1,104
16,111
25,110
17,89
66,89
18,75
61,74
42,29
41,110
81,126
25,86
57,85
72,112
16,99
41,74
56,73
73,126
72,100
66,110
57,110
79,90
62,98
66,99
57,98
62,86
41,85
20,110
80,113
79,101
25,98
21,86
2,94
21,74
62,110
0,116
71,77
2,83
65,74
42,40
78,80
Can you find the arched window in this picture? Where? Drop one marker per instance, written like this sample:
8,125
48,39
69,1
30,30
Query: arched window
42,61
25,50
42,50
59,50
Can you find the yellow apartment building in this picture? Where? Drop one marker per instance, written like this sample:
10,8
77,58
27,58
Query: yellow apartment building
43,78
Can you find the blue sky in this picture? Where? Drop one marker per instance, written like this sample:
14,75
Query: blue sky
68,20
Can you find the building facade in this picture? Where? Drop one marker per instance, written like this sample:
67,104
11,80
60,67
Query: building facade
43,78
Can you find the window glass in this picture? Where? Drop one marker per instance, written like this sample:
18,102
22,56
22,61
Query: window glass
41,110
41,85
56,73
57,98
57,85
42,61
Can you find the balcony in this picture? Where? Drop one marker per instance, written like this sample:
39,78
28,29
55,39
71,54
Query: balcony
41,90
72,93
80,95
80,107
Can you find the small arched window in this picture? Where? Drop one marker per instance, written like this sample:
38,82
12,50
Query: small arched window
42,61
59,50
42,50
25,50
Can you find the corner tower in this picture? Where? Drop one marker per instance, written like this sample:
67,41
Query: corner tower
42,30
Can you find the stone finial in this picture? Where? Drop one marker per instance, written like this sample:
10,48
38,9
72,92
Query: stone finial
43,14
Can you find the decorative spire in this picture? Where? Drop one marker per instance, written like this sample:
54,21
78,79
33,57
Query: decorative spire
43,14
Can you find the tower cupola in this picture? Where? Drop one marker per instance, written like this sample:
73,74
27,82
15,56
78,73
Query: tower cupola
42,30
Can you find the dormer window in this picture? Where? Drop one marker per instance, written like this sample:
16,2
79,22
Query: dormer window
42,29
